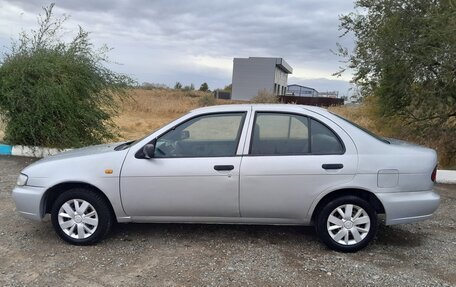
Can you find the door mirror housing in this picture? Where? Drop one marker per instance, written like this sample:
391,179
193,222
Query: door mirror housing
148,150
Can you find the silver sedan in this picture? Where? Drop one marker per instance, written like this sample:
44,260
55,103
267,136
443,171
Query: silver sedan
237,164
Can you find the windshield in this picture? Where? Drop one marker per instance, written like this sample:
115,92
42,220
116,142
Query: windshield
363,129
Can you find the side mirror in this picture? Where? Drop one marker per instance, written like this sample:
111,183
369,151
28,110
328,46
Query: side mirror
148,151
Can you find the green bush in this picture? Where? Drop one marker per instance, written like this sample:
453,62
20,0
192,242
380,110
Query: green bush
265,97
207,99
57,94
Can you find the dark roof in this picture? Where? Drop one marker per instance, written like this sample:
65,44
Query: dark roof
302,87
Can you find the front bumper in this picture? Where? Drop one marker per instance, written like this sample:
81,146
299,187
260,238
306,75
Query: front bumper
28,201
408,207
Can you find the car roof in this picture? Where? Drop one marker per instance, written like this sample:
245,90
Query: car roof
278,107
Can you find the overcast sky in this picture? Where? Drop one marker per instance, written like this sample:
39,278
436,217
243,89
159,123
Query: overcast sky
196,41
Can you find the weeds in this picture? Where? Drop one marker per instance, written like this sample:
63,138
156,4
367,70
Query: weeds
265,97
207,100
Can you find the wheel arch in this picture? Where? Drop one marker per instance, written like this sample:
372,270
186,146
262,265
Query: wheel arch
370,197
53,192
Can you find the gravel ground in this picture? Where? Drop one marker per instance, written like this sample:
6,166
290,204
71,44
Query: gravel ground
421,254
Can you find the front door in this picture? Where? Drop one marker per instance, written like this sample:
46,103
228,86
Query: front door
194,172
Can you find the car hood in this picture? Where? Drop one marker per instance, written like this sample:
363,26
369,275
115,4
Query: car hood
76,165
81,152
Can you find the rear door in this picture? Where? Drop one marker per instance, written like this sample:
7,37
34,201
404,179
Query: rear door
292,158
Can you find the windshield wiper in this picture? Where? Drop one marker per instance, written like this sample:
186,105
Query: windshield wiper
123,146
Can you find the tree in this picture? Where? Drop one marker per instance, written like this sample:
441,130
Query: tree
178,86
204,87
228,88
405,56
189,88
55,93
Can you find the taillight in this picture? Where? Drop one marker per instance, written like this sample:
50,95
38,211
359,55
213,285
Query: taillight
434,174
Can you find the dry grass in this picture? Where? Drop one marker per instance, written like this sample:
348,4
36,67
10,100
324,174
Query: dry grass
360,114
147,110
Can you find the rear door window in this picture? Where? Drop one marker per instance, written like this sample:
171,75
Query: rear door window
280,134
292,134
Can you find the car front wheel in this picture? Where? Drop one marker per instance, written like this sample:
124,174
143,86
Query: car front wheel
81,217
347,224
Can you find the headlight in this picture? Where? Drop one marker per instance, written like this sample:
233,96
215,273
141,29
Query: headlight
22,180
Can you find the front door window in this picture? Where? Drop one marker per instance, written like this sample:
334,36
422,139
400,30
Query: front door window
213,135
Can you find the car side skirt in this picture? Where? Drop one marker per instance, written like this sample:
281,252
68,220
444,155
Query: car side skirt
213,220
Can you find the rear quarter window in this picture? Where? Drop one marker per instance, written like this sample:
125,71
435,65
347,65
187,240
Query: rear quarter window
324,140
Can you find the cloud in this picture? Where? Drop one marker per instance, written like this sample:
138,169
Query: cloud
169,41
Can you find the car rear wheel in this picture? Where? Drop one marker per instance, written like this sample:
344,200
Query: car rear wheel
347,224
81,217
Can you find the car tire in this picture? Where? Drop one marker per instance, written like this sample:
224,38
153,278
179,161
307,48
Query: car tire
81,216
347,223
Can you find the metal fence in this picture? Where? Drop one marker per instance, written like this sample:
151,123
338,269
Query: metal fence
312,101
222,95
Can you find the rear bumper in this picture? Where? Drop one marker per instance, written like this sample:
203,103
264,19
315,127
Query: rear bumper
409,207
28,201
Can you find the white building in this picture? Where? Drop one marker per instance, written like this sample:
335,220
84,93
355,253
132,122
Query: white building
254,74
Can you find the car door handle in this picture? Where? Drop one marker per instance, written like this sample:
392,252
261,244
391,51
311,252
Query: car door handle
332,166
223,167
